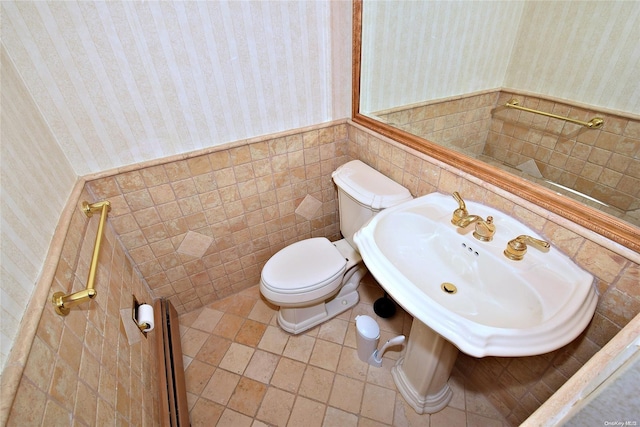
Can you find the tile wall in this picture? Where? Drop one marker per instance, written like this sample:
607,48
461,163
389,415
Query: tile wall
459,123
81,369
599,163
201,227
517,386
241,201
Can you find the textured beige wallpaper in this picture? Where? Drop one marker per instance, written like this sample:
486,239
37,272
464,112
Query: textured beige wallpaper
100,85
124,82
584,51
36,182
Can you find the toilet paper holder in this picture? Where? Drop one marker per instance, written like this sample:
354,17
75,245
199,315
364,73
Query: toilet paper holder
134,315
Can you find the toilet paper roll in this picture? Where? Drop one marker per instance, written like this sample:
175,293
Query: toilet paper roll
145,315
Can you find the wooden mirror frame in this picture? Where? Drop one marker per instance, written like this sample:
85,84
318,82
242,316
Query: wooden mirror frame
608,226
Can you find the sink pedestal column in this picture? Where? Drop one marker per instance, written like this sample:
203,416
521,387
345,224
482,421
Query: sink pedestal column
421,374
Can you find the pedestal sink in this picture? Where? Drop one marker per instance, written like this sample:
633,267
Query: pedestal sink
466,294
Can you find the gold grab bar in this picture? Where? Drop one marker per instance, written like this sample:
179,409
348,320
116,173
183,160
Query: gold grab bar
62,302
595,123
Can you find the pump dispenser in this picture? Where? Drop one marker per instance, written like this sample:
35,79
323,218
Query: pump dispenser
368,333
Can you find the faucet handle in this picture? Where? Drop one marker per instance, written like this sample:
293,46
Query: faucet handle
485,230
461,212
517,247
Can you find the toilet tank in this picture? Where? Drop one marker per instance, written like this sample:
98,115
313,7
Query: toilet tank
363,192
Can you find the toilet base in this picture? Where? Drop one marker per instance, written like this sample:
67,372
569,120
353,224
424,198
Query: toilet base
300,319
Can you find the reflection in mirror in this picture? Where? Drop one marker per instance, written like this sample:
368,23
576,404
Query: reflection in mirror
444,71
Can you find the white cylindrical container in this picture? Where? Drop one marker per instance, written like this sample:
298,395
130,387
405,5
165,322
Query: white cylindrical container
368,335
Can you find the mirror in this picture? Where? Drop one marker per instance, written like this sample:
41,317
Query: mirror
456,112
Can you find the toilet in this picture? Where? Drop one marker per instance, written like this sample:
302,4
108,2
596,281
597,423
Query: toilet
314,280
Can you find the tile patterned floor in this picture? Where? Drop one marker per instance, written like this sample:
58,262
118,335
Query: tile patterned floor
243,370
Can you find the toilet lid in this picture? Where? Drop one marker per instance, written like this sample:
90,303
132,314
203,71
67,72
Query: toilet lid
304,266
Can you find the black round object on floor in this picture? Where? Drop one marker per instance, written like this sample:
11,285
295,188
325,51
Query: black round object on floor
384,307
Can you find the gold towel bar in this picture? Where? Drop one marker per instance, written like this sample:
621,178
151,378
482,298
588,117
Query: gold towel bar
63,302
594,123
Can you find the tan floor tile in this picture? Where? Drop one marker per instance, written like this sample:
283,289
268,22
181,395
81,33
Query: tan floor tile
313,332
457,387
238,304
250,333
367,422
231,418
369,292
288,374
205,413
316,383
405,416
262,366
213,350
207,319
325,355
237,358
299,347
448,417
262,312
274,340
276,407
350,336
228,326
187,319
306,412
192,340
382,376
346,394
351,366
191,400
321,367
337,417
186,361
221,386
242,305
475,420
197,375
477,403
378,403
247,396
334,330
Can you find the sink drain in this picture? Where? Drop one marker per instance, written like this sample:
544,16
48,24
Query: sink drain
449,288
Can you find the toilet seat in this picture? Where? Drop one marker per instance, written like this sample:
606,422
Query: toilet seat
306,270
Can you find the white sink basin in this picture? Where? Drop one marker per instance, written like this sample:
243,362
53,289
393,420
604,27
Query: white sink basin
501,307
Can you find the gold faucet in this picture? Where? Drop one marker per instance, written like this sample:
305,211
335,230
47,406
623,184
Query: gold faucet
461,212
517,247
484,229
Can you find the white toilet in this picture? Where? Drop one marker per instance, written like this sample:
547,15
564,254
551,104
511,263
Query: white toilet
314,280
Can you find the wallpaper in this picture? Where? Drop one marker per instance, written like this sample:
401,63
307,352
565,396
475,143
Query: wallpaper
585,51
101,85
123,82
36,181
